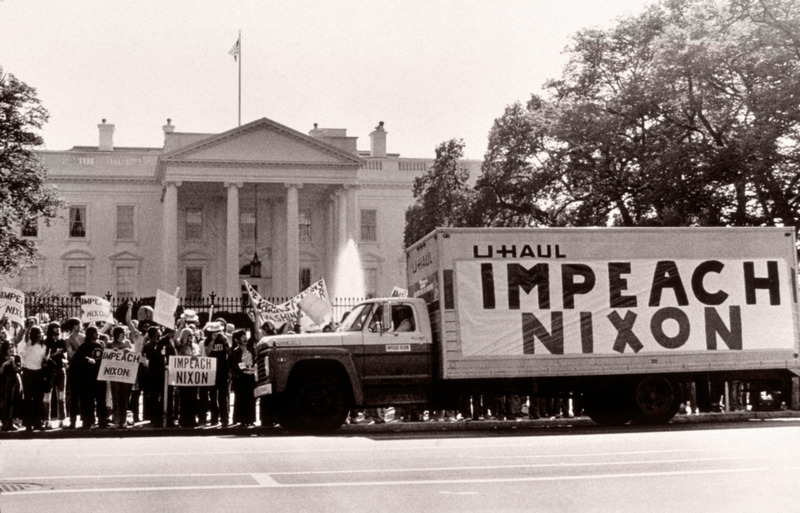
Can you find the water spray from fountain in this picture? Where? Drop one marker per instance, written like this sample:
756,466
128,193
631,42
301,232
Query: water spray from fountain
349,278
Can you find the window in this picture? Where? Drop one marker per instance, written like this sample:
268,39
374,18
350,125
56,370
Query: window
77,222
76,280
126,281
125,222
194,281
29,279
194,224
371,282
247,225
305,278
30,228
305,226
369,225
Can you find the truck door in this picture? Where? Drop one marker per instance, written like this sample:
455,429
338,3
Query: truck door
396,351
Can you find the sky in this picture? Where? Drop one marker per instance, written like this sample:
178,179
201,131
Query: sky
430,70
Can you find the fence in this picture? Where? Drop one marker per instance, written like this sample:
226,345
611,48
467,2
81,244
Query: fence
232,309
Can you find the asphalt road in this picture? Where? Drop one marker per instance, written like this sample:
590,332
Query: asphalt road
750,467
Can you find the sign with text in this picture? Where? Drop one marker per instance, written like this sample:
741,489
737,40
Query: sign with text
119,365
515,306
12,305
192,371
164,311
399,292
94,308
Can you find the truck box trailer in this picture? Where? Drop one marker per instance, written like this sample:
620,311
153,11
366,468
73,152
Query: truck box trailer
616,316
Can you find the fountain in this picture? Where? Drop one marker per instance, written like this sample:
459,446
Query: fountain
349,278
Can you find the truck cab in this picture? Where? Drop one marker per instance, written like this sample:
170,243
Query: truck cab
380,355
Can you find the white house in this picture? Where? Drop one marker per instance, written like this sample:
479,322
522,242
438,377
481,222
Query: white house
192,213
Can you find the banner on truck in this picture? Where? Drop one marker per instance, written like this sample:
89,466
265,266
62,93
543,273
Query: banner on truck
119,365
516,306
192,371
12,305
94,308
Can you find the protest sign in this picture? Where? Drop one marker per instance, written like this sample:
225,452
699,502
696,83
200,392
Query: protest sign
317,308
164,311
12,305
94,308
119,365
192,371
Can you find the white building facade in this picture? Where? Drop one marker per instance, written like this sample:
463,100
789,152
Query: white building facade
191,215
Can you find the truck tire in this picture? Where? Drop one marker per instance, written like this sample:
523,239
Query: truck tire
316,406
656,400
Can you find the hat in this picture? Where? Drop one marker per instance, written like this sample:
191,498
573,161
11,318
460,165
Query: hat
213,327
190,316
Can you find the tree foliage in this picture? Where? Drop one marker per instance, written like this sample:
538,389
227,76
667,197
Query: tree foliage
686,114
24,196
442,195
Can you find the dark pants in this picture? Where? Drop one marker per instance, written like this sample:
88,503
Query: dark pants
244,407
73,396
119,400
188,406
92,392
218,401
154,400
8,389
33,389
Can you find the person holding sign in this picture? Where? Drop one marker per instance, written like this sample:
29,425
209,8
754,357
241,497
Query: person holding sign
33,352
56,374
138,335
158,354
218,346
242,364
187,395
86,364
119,391
10,384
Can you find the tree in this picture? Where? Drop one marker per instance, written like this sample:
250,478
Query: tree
24,196
442,195
686,114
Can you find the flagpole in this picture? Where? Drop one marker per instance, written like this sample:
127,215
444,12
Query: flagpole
240,78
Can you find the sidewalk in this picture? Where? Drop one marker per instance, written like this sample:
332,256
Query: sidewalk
143,429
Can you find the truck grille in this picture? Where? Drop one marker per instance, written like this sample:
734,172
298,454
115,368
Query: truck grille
261,370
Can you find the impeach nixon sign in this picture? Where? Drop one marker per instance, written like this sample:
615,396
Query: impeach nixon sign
515,306
119,365
192,371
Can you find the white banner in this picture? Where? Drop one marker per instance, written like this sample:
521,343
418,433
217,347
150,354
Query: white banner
513,307
399,292
12,305
119,365
164,311
94,308
192,371
316,309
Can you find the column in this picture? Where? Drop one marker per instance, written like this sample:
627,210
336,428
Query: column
292,239
352,213
330,245
341,232
169,277
232,287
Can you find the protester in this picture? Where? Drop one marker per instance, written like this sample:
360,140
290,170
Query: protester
33,353
119,391
86,364
72,327
10,384
138,333
242,363
55,374
188,395
218,346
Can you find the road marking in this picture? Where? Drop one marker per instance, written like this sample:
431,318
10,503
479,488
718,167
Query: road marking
265,480
400,470
404,483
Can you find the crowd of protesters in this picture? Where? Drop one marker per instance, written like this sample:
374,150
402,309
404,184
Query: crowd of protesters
49,373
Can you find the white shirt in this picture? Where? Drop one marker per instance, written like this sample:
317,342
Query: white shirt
32,355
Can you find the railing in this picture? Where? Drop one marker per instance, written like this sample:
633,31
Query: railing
233,309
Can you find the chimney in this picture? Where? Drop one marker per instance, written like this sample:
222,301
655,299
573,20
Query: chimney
106,136
377,142
168,129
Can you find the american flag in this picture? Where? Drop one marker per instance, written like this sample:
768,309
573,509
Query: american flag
236,48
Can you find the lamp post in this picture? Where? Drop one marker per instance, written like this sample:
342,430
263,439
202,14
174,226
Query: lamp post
255,264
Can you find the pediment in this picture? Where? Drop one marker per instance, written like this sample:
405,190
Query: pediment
125,255
262,142
77,254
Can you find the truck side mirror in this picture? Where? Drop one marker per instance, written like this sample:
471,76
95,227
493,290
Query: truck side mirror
386,322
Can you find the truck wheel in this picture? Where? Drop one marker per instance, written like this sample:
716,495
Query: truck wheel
317,406
657,400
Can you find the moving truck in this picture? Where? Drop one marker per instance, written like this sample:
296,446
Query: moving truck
618,317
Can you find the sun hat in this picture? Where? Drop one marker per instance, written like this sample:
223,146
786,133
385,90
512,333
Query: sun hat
213,327
190,316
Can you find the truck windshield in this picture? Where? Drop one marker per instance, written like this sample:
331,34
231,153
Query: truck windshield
356,318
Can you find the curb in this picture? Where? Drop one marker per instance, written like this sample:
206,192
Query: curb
144,431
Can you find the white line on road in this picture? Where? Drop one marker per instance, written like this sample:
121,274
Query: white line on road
403,483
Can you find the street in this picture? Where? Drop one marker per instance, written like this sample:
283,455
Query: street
749,466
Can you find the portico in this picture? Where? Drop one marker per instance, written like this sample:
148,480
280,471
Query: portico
293,187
